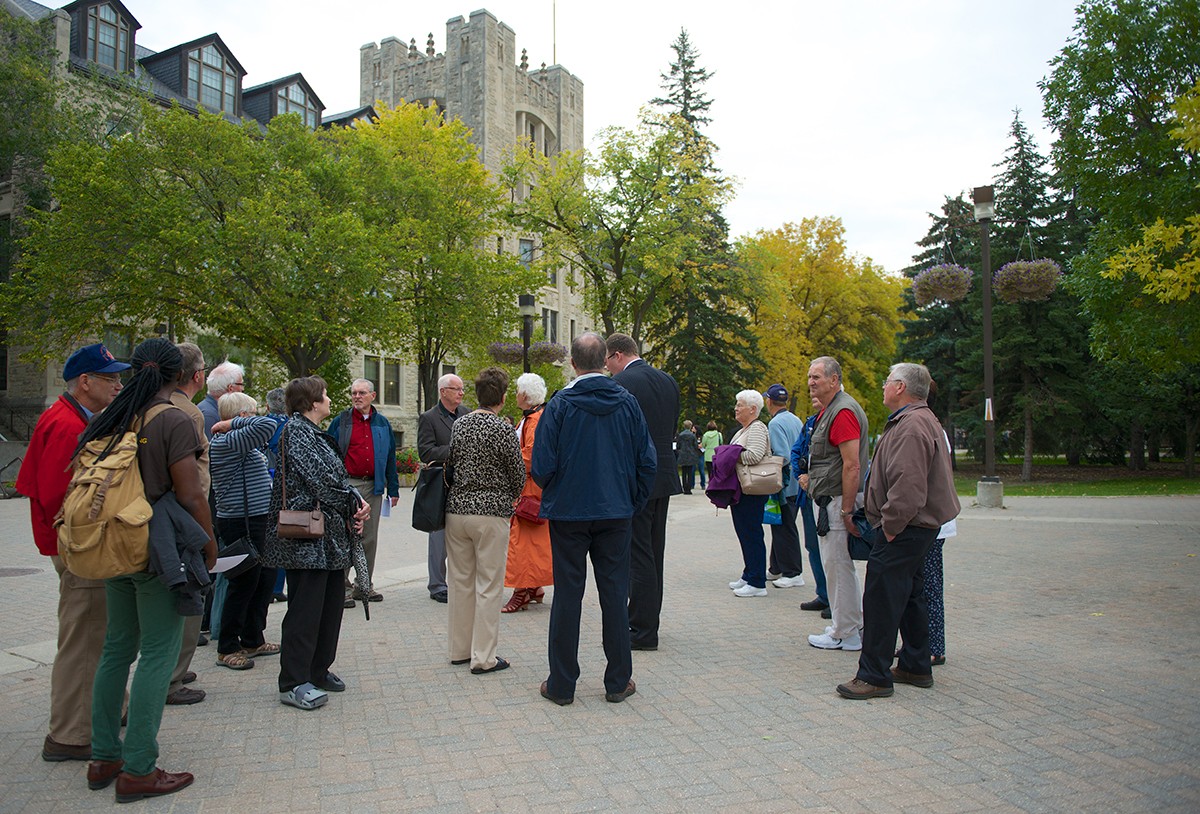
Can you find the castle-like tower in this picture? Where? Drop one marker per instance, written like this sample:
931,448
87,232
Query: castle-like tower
481,80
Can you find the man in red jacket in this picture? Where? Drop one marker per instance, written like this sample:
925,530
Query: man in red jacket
93,381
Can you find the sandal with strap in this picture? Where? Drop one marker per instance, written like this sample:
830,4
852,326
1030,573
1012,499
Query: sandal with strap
264,649
235,661
519,600
305,696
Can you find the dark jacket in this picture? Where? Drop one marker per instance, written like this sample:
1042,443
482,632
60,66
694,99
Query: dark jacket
433,433
592,455
724,488
799,460
177,554
658,395
686,451
383,444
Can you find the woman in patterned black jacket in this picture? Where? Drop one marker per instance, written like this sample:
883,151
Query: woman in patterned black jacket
315,475
488,476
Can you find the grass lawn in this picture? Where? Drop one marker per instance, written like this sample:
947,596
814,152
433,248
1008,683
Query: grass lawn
1083,481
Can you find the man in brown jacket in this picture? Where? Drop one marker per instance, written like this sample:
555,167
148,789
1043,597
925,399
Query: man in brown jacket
909,495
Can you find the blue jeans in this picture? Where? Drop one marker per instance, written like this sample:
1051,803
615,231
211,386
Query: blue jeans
812,546
748,523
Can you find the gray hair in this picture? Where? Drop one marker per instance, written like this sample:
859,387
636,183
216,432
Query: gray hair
223,375
370,384
447,379
916,378
751,397
276,402
829,365
231,404
588,351
193,360
533,386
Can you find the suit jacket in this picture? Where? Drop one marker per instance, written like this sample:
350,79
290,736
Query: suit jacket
433,433
658,395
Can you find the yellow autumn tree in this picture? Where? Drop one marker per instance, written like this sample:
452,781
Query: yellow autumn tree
822,300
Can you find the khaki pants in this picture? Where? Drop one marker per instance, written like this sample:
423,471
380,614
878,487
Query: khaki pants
191,635
370,535
82,621
476,553
841,579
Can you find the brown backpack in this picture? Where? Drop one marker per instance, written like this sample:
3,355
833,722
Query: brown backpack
103,525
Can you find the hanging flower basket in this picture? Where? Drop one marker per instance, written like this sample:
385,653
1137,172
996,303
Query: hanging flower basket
947,282
506,353
1026,280
548,353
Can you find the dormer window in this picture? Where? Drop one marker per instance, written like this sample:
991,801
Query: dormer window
212,79
107,38
293,99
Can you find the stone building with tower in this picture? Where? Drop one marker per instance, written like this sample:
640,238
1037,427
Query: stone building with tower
481,78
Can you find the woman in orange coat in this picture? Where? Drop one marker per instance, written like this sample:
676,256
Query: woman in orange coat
529,565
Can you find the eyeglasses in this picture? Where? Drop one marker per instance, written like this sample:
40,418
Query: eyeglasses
611,355
886,382
108,377
360,392
459,389
239,384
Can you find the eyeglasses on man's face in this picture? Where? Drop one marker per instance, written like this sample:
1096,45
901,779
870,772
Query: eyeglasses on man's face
112,378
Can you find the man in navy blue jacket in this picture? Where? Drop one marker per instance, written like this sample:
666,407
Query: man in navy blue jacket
595,462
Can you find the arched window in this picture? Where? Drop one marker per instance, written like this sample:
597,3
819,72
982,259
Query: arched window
212,79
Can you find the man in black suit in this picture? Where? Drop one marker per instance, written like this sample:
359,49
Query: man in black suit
658,395
433,445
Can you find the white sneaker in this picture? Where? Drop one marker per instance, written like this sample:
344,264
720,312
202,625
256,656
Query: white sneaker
826,641
789,582
852,642
750,590
737,583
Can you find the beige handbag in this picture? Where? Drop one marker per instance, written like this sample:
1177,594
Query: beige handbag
762,478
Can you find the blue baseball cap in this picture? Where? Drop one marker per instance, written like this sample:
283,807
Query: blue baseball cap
777,393
91,359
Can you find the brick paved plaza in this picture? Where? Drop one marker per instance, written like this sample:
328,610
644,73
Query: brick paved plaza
1073,630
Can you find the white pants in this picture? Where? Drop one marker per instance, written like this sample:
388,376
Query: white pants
841,578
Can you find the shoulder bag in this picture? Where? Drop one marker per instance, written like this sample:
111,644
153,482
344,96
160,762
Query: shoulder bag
297,525
429,497
242,545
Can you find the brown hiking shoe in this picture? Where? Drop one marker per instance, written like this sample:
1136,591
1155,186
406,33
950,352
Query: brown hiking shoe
858,690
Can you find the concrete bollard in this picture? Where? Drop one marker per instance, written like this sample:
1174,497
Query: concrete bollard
989,494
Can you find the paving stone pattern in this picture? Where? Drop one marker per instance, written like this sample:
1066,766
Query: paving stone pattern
1073,638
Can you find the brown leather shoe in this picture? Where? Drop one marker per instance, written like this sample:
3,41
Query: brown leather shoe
916,679
857,690
131,787
53,751
618,697
184,696
188,677
101,773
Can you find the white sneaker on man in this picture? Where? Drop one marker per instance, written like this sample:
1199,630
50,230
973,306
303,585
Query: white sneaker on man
826,641
737,583
750,590
789,582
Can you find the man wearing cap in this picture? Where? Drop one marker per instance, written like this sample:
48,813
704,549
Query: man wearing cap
786,561
93,380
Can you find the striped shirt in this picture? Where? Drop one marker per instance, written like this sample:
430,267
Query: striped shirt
230,452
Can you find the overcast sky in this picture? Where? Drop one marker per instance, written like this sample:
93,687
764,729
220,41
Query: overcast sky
872,111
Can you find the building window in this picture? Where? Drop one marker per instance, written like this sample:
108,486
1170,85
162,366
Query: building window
552,276
526,252
119,342
391,381
377,72
107,38
572,330
371,370
447,370
550,324
212,80
293,99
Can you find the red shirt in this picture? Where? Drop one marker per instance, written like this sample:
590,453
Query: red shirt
46,470
845,427
360,454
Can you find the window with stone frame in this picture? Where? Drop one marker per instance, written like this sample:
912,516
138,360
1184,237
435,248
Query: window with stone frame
293,99
550,324
108,39
212,79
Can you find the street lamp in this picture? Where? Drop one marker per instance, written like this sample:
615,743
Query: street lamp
528,312
989,492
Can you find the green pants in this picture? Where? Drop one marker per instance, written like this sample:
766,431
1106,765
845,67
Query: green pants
141,619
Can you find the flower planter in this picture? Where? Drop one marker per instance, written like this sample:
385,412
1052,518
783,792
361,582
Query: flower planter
945,283
1026,280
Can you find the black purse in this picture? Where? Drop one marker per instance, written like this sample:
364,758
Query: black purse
429,497
243,544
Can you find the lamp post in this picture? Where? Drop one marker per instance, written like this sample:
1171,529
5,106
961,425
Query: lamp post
528,312
989,492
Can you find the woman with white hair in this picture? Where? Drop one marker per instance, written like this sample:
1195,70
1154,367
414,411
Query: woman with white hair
529,567
243,489
747,513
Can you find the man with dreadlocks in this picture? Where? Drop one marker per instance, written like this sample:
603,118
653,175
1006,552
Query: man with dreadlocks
144,621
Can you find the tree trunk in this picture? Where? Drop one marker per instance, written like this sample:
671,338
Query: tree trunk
1191,426
1153,441
1137,446
1027,464
427,379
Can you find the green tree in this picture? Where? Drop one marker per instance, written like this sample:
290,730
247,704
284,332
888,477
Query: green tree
620,220
433,216
822,300
193,219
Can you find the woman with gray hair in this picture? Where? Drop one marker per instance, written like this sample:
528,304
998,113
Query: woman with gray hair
747,513
529,563
242,486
